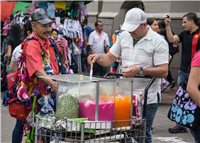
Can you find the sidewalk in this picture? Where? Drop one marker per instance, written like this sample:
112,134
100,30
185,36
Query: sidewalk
168,95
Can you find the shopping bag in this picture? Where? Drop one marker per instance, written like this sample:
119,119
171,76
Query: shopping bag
184,110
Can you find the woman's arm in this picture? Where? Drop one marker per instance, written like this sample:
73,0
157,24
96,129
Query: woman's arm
8,55
13,66
193,84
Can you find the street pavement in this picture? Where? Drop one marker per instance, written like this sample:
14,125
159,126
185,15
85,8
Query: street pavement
160,132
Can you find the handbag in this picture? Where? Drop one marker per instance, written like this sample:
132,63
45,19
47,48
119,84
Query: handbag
184,110
19,110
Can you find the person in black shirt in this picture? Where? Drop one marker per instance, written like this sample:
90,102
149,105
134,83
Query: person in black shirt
190,24
162,31
14,41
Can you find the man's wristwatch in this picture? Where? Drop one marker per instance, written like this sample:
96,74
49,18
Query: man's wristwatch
141,71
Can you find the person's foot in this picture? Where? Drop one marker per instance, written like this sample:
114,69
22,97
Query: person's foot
172,84
164,86
177,129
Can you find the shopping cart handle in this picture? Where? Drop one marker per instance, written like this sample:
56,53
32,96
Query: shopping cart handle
117,75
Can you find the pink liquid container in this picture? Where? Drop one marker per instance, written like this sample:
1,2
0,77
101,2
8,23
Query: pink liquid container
106,110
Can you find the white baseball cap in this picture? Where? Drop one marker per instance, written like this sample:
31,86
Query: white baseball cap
134,17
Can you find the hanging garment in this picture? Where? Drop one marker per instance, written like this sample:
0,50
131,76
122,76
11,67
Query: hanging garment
51,9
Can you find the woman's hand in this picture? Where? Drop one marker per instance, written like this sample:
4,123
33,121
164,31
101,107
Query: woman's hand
5,57
61,45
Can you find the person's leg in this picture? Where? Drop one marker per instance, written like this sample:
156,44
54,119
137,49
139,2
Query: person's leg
96,69
169,77
150,115
164,84
83,62
87,64
195,134
102,70
18,132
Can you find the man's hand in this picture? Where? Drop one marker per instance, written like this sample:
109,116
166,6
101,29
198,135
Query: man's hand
84,52
93,58
167,21
133,71
61,45
49,82
54,87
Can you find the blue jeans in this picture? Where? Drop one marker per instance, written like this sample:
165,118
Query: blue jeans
196,135
150,116
18,132
181,76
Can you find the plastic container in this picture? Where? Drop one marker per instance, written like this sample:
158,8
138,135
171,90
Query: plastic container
93,99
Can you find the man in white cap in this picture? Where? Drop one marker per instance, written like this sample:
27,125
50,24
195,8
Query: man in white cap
149,56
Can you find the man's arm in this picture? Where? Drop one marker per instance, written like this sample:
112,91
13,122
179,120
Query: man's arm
159,71
193,84
104,60
85,46
91,48
49,82
107,44
171,38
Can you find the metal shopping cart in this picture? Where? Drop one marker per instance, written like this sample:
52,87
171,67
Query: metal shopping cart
54,130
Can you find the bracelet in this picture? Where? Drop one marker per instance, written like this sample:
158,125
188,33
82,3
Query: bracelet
98,57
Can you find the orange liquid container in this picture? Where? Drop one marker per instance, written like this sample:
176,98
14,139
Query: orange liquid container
122,109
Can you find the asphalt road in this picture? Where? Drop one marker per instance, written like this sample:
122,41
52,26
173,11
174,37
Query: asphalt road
160,128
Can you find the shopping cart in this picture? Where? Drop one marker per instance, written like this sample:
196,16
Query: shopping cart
54,130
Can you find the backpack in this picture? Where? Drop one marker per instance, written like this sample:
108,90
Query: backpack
88,31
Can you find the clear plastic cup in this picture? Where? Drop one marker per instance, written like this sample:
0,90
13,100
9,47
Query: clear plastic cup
122,67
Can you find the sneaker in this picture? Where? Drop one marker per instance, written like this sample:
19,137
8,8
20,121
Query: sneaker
172,84
165,86
177,129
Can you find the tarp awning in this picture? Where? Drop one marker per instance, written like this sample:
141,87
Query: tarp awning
6,9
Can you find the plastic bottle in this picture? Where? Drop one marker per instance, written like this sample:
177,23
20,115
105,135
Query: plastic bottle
139,106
